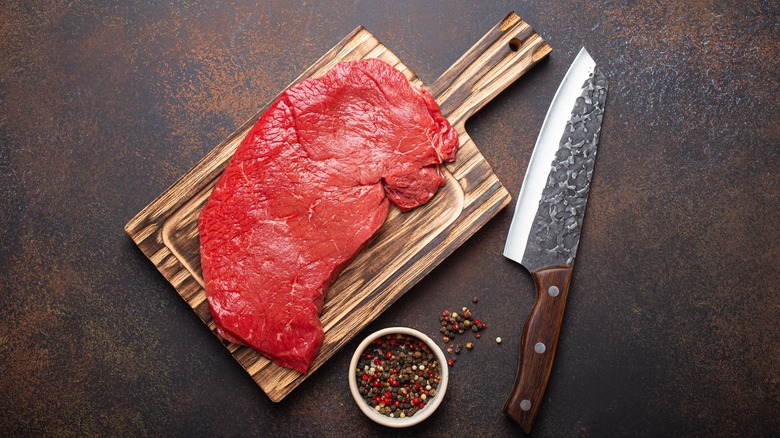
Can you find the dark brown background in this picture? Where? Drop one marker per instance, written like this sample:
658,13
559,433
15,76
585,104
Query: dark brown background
672,323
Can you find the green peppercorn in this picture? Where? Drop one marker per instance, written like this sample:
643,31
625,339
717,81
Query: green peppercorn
392,370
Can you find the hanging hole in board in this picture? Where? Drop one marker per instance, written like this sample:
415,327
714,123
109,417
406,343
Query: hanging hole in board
514,44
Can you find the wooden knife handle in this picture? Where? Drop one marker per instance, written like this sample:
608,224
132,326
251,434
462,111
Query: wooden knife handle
540,338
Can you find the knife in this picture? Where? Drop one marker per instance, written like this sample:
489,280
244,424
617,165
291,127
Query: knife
545,229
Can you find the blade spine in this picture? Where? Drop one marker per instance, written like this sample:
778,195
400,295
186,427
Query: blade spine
516,218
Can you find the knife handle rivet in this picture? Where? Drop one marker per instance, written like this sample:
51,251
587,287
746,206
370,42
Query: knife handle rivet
539,347
553,291
525,405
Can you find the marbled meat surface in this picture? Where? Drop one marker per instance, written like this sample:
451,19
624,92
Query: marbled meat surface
307,188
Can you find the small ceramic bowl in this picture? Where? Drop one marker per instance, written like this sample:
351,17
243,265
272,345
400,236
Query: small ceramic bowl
423,413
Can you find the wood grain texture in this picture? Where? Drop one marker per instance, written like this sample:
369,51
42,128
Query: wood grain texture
538,344
407,247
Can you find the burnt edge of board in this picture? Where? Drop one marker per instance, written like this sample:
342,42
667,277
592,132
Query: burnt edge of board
473,80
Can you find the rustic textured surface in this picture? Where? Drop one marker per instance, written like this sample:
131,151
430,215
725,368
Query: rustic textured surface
671,324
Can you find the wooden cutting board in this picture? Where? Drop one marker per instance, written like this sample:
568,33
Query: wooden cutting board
408,246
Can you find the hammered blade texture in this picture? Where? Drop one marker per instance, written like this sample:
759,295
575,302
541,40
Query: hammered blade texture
556,231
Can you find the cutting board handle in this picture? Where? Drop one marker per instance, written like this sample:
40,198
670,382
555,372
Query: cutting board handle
504,54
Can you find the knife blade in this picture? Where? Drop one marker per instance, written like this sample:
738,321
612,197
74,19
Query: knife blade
545,229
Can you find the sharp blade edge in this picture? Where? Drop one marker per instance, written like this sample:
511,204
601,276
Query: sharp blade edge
549,212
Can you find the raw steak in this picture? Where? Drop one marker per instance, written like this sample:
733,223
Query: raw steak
308,187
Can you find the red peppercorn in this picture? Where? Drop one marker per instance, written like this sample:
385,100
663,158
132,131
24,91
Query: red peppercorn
450,362
483,325
456,326
410,394
445,313
476,322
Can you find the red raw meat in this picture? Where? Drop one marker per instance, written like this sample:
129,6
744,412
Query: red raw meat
308,187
